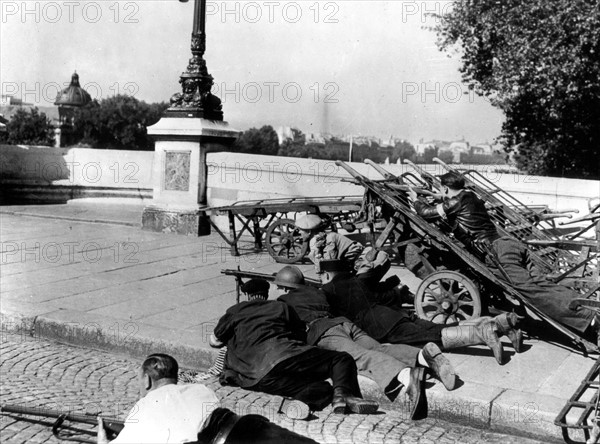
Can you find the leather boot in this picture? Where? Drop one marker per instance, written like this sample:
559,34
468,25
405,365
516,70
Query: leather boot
343,401
440,365
506,323
481,334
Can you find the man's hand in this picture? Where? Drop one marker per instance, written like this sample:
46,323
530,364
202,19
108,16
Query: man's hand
102,439
214,342
412,194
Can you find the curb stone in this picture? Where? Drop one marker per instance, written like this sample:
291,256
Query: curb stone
472,404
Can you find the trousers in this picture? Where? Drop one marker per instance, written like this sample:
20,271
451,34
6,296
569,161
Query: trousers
550,298
381,362
303,376
415,331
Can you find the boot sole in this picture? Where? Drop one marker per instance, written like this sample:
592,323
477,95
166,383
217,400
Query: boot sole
362,408
440,365
294,409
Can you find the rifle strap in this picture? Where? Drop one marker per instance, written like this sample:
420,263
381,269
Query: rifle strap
64,437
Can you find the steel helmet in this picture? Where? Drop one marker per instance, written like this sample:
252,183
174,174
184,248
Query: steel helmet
289,276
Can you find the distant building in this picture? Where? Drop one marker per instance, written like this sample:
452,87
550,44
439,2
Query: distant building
12,101
482,148
420,148
284,133
68,101
457,148
391,141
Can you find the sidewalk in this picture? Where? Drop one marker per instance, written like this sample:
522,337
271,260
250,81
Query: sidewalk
110,285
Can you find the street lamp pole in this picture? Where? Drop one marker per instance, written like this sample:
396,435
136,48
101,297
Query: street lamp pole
196,100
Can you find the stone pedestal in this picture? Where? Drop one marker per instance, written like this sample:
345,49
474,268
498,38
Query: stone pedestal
179,173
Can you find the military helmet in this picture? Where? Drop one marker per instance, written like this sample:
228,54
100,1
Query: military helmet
309,222
289,276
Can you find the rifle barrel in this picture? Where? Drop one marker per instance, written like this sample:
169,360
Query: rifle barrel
110,424
267,277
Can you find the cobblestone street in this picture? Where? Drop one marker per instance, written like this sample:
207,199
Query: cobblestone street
41,374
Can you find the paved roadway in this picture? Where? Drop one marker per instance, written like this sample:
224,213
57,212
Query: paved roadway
43,374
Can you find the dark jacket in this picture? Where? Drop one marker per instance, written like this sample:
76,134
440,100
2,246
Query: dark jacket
466,214
259,335
312,307
360,302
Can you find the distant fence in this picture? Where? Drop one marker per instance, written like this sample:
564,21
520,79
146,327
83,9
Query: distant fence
50,174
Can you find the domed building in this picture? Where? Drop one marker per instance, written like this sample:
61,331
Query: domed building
68,101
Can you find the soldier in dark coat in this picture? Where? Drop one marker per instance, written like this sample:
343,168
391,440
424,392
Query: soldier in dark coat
267,352
471,224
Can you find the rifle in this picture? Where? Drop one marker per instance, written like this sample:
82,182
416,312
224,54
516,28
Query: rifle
239,274
112,426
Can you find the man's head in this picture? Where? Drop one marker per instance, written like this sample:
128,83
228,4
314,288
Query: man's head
256,289
330,268
289,277
310,225
157,370
452,183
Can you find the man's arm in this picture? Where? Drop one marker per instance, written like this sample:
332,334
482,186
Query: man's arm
347,249
295,324
223,331
214,342
433,212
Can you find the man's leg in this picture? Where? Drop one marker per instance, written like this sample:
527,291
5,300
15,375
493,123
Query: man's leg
302,377
550,298
416,332
380,367
289,378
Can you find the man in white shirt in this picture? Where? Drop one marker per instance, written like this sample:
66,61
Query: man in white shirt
167,412
188,413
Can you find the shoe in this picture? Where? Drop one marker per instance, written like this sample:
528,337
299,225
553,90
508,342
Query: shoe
338,403
440,365
342,402
506,323
294,409
416,395
393,389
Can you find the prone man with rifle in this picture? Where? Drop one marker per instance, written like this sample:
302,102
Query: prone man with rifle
174,413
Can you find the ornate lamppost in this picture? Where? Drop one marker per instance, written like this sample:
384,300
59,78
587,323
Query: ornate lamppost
196,100
191,128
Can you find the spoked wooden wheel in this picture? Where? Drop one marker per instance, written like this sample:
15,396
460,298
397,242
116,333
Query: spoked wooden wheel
284,242
447,296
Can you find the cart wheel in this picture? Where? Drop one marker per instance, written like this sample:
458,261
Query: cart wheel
447,296
284,242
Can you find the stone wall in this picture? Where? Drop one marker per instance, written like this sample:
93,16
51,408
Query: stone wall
68,173
233,177
62,174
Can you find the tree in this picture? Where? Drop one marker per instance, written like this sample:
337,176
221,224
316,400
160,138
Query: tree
117,122
258,141
538,61
403,150
28,128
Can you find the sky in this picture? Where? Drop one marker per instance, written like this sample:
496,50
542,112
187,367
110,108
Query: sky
342,67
